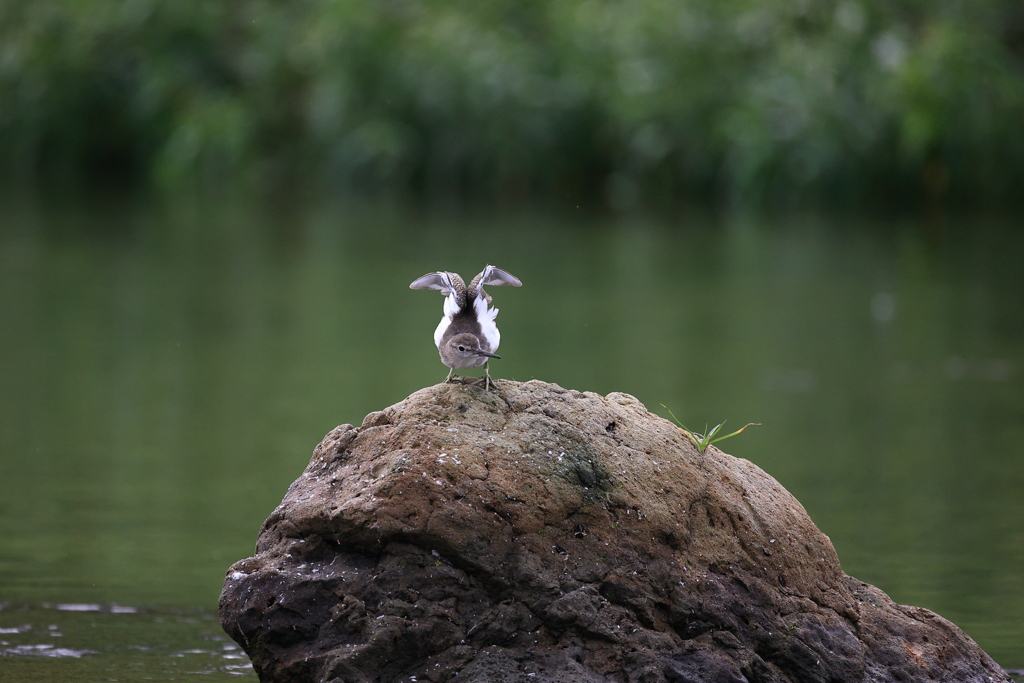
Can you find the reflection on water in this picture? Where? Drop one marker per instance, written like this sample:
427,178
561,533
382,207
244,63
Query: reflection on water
167,370
116,642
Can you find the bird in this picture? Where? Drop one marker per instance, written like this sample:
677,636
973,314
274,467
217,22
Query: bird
467,336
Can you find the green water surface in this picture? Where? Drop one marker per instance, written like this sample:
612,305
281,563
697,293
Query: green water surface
166,369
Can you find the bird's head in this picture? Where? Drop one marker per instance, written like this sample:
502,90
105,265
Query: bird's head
464,351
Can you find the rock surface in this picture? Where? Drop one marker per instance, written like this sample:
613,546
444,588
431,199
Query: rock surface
537,534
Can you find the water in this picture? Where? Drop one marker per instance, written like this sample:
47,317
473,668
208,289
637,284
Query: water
166,370
89,642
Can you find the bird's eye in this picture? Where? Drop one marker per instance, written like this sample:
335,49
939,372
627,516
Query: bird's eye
462,348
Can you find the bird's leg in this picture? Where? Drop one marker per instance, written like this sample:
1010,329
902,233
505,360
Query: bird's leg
451,375
487,377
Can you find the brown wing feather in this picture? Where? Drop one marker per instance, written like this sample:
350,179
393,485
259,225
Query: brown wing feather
445,282
491,275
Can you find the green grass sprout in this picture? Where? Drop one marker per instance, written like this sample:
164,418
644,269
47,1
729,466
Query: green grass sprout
702,441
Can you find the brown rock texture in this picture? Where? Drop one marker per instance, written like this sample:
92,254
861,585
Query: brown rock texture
537,534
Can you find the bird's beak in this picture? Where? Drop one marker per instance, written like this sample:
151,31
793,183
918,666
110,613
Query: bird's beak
489,355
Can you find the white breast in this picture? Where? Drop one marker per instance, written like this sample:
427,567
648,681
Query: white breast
450,309
485,316
439,332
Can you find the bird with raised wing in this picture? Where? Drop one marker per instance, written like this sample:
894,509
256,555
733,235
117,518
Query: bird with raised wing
467,336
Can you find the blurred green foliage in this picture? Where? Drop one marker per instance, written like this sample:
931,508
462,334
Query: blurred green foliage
625,101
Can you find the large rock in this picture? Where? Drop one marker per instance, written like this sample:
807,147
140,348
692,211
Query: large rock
538,534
